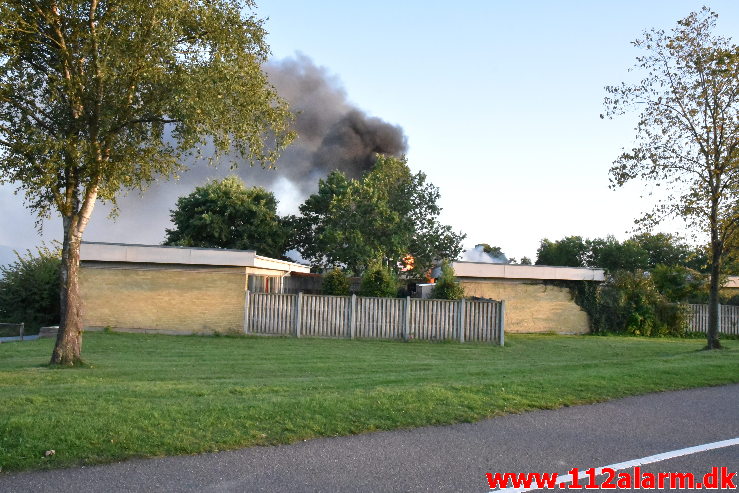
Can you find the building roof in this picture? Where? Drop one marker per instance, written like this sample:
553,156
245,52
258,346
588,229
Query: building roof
515,271
158,254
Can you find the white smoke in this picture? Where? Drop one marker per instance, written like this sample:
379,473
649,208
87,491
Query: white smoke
479,255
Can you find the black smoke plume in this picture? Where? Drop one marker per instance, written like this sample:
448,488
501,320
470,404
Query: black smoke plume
332,134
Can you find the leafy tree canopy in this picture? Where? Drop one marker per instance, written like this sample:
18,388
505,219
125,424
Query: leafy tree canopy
386,215
679,283
640,252
613,255
97,96
666,249
571,251
227,214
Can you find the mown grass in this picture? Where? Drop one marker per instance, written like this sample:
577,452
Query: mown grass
154,395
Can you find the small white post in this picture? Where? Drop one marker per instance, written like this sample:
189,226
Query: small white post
352,315
460,320
298,303
406,317
501,324
720,318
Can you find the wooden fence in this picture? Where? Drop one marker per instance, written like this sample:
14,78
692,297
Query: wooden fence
374,318
728,319
12,330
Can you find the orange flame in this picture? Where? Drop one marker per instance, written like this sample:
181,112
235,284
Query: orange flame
407,263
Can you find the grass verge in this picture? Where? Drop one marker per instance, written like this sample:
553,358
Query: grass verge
155,395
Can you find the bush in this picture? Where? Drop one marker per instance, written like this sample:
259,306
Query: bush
335,283
680,284
29,288
447,287
629,303
378,281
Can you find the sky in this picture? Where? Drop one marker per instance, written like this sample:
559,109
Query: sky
500,103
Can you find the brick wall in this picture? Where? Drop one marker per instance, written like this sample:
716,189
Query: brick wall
532,306
168,298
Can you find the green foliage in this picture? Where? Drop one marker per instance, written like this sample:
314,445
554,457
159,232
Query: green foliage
387,214
29,288
678,283
668,249
525,261
612,255
493,251
570,251
336,283
378,281
95,101
640,252
227,214
629,302
447,287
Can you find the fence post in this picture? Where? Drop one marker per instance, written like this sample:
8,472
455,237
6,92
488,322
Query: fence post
501,324
406,317
352,315
298,303
246,312
720,319
460,320
23,326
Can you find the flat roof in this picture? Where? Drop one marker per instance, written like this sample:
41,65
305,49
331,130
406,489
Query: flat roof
160,254
516,271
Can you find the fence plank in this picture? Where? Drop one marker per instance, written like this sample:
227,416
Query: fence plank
728,319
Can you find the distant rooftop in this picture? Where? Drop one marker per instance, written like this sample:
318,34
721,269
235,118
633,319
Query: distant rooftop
159,254
516,271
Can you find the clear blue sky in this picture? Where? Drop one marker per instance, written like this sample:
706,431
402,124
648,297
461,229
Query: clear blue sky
500,102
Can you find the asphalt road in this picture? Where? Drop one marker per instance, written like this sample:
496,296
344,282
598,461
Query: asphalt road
447,458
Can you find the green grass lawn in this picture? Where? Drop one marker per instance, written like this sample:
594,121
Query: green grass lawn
154,395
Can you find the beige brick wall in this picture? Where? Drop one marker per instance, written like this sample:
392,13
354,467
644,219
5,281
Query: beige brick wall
532,306
150,297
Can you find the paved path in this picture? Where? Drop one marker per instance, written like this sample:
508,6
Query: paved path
446,458
18,338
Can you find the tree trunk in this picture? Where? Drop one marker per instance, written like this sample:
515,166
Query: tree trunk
68,347
713,297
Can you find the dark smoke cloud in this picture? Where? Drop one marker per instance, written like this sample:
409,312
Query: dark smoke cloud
332,134
352,143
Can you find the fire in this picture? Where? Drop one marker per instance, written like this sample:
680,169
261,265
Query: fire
407,263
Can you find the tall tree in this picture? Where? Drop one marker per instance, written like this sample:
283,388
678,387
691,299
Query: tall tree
665,249
687,135
611,254
227,214
384,216
97,96
570,251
